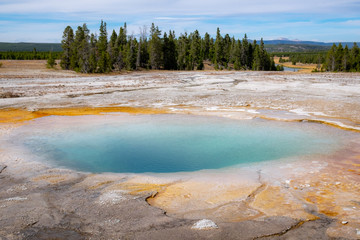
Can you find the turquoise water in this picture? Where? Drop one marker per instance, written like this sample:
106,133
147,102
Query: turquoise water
170,143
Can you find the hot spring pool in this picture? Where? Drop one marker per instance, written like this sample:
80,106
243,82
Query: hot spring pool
166,143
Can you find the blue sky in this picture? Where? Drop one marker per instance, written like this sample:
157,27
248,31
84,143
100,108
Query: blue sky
316,20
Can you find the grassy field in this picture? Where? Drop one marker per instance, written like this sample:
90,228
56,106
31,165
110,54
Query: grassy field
304,68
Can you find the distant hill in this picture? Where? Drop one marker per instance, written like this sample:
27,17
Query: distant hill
300,46
283,45
298,42
29,47
295,48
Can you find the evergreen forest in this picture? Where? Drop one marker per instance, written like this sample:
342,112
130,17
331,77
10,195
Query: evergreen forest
342,59
303,57
88,53
28,55
337,59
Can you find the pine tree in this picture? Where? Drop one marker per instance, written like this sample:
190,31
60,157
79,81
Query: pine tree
121,41
183,51
66,44
166,51
232,51
250,56
195,51
35,55
257,58
82,41
355,58
113,49
76,55
155,47
172,51
131,53
219,48
227,49
92,57
143,54
104,63
169,51
121,45
245,59
206,46
265,58
346,59
339,58
212,50
102,41
51,60
236,52
331,59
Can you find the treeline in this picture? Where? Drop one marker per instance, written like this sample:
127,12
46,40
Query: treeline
25,55
88,53
340,59
294,48
337,59
29,47
303,57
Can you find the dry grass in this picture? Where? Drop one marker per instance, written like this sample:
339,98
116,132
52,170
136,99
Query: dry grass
303,68
24,64
32,69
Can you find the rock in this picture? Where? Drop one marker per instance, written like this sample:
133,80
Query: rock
204,224
344,222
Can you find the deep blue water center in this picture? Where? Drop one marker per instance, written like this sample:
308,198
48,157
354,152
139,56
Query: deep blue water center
171,143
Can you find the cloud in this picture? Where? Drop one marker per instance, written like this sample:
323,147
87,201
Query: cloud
179,18
258,18
178,7
31,32
352,23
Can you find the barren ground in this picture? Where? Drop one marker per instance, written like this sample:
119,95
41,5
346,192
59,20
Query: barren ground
306,199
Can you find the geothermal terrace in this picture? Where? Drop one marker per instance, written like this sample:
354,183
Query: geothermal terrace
316,196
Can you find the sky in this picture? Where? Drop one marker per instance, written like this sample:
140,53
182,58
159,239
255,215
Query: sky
312,20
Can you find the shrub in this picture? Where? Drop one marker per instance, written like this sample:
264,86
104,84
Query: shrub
51,61
279,68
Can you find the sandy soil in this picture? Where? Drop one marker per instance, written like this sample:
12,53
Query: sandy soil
314,198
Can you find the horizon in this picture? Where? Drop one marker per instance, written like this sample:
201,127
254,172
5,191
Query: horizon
265,40
328,21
